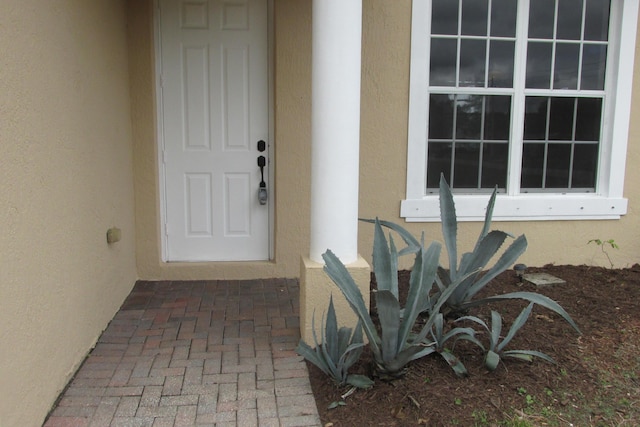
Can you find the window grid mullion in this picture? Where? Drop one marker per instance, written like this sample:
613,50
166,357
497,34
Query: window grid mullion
517,102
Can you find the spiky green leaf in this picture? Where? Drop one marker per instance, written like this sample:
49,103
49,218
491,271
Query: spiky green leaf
449,225
516,325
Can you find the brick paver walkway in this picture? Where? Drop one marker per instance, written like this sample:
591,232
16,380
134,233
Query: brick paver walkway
196,353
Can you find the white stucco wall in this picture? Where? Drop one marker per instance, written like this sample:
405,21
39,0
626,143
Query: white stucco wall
65,178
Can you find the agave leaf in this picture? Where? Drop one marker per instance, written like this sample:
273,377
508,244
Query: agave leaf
515,354
426,264
496,329
516,325
389,315
344,335
412,243
487,217
521,353
383,263
474,319
336,270
449,225
509,256
330,340
359,381
455,363
350,356
308,353
533,297
491,360
459,333
485,250
471,339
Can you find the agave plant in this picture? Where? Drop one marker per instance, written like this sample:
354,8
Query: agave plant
440,338
470,275
339,350
496,350
394,346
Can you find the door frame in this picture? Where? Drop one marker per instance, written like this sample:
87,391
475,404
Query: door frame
162,199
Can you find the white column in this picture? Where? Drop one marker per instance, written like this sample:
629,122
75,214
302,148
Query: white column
335,128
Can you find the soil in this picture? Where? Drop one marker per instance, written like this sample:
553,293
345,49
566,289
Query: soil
594,383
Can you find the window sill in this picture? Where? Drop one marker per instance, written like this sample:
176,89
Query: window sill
538,207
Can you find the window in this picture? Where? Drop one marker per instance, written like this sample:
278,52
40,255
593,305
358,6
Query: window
529,96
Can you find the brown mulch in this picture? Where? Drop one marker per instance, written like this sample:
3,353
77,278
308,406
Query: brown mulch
595,381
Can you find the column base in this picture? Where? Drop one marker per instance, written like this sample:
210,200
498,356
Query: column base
315,290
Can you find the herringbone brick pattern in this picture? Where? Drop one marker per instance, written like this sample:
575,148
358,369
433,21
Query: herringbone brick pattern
209,353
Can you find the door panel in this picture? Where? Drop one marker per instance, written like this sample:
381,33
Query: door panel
214,110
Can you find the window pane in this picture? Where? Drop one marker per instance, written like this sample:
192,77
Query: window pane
474,17
495,159
469,117
501,63
558,162
585,163
439,161
535,118
444,17
566,69
541,18
596,26
472,62
503,18
497,120
569,19
532,165
588,118
466,164
539,65
561,119
443,62
594,59
441,117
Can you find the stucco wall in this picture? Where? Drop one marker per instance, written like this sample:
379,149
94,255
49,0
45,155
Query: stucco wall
65,178
291,104
385,85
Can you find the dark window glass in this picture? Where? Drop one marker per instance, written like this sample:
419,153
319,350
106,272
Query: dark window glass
469,117
561,119
443,62
594,59
474,17
444,17
539,65
495,159
497,120
466,165
532,165
472,62
565,74
501,55
439,161
588,119
558,163
441,108
535,118
541,18
585,164
596,25
503,18
569,19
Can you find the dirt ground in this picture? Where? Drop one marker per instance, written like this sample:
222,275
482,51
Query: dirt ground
594,383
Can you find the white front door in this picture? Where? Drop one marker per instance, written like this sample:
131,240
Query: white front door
213,112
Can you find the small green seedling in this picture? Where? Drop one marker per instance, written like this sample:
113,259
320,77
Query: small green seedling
603,247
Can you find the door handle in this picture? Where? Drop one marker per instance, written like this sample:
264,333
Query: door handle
262,191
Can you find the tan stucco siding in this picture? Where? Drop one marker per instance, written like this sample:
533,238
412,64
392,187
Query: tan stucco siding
65,178
384,117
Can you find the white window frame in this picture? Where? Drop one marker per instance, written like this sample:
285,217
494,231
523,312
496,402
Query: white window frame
606,203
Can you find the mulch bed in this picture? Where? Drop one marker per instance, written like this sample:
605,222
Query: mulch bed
595,381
